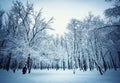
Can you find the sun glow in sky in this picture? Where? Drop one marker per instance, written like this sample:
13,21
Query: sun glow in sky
64,10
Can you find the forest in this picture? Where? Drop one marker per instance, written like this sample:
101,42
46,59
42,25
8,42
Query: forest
91,43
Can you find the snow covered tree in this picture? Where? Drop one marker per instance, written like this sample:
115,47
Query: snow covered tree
114,11
88,43
8,61
2,41
1,17
14,65
29,63
24,29
113,14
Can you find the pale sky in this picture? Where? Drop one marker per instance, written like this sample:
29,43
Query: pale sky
64,10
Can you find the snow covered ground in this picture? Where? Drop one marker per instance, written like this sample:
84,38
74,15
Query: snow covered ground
59,76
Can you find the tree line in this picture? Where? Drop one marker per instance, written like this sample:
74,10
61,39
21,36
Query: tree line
92,43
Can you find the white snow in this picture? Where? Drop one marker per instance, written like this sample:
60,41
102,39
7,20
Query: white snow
59,76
